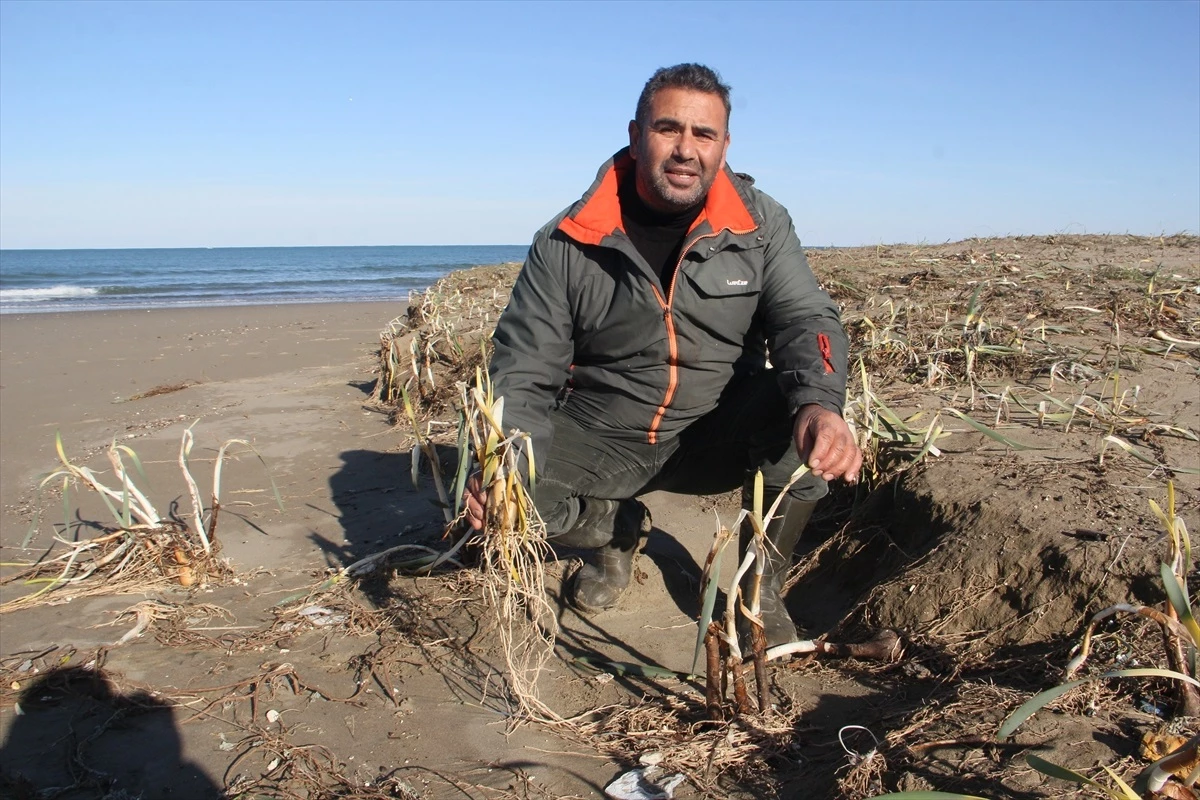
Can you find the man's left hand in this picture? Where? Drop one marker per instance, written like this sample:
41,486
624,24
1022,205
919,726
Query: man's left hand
825,443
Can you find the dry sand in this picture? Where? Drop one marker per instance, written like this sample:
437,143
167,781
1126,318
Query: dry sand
295,381
989,560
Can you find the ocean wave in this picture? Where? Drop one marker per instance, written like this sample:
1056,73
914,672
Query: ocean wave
46,293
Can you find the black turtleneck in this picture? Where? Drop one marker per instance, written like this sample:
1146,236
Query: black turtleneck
658,236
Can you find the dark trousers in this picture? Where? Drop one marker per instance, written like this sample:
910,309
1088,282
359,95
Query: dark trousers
750,429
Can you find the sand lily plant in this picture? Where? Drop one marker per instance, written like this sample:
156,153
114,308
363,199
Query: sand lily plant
142,548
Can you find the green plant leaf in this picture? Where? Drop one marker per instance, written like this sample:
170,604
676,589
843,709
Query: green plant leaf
707,606
1127,792
414,465
1062,773
58,445
935,431
1179,602
137,462
266,468
464,461
1035,703
991,434
1140,456
66,492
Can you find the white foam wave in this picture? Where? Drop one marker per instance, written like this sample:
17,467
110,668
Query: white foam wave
47,293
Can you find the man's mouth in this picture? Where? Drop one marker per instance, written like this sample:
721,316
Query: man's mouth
682,177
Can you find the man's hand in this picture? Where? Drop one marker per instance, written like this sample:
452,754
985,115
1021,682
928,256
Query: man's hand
825,443
476,501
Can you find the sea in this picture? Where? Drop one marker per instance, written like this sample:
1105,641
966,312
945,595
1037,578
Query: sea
81,280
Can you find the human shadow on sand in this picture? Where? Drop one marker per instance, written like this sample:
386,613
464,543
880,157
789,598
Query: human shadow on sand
77,735
379,508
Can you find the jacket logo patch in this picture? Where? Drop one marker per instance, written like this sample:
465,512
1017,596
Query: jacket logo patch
736,283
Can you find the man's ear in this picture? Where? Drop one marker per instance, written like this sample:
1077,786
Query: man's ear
724,150
635,135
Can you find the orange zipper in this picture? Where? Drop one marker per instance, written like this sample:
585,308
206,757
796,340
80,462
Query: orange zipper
672,344
672,365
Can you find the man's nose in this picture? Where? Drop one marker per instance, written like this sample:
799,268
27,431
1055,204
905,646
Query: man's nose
685,147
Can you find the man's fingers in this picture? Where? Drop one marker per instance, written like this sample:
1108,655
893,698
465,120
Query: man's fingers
474,513
835,454
842,464
474,502
821,443
845,458
825,443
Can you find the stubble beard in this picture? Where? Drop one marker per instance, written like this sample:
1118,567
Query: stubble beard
675,199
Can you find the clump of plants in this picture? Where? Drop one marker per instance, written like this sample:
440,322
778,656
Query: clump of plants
140,548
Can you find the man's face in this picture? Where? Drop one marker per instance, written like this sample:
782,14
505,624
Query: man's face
681,148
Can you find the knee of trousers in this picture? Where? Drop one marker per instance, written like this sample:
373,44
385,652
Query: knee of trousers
558,505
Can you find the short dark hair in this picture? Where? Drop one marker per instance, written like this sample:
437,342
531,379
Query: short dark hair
682,76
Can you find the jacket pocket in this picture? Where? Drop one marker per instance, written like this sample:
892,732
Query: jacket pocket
719,301
717,280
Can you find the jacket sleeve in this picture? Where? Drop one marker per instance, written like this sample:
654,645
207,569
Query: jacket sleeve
805,337
533,345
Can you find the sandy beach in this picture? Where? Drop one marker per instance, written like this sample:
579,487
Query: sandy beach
294,380
220,688
288,377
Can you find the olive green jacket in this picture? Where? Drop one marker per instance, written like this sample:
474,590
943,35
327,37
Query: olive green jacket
590,327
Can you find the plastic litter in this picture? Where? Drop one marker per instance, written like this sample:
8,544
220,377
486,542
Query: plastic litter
321,616
648,783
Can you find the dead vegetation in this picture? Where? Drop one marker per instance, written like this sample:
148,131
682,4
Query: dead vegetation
442,339
161,389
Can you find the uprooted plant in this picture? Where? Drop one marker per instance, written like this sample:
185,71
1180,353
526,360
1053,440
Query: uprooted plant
142,548
511,549
512,546
723,642
443,337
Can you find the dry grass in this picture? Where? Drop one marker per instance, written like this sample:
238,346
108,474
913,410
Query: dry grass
137,559
964,338
443,338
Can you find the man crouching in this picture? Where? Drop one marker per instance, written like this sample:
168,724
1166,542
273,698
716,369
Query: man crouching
634,348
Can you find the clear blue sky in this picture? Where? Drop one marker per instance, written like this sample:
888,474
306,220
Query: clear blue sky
148,124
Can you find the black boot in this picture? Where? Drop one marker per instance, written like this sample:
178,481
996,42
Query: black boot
593,527
602,580
783,533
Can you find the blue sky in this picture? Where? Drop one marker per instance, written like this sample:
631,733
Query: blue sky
222,123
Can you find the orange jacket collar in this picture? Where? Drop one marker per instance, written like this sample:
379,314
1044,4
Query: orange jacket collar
598,213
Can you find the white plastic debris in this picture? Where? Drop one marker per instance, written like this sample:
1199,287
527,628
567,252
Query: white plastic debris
272,716
649,783
321,616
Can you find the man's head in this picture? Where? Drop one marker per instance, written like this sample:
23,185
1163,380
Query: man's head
679,136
